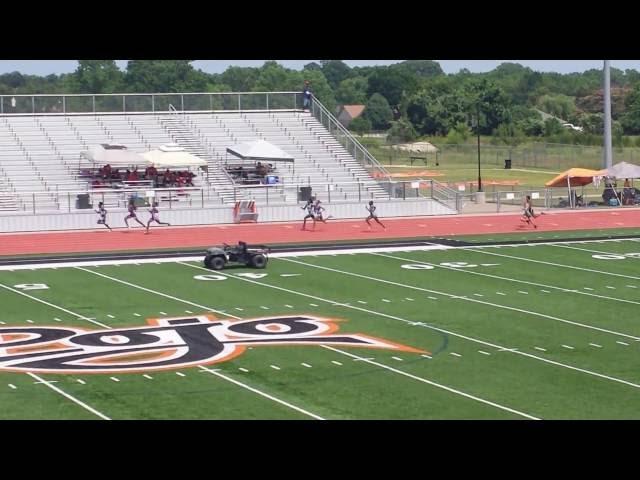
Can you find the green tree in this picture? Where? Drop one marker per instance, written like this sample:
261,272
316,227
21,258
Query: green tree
352,91
631,119
150,76
240,79
393,84
401,131
360,125
98,76
559,105
422,68
378,112
335,71
552,126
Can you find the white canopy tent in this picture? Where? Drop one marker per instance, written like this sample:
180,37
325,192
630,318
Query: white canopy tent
172,155
622,170
260,150
114,155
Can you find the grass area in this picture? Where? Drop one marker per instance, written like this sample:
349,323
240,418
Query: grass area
511,333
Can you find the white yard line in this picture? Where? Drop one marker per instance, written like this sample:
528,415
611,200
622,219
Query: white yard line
464,298
36,299
509,279
410,322
261,393
524,259
70,397
434,384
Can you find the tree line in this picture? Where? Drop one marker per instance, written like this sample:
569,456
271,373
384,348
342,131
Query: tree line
410,99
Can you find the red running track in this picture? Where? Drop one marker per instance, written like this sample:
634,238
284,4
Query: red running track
273,233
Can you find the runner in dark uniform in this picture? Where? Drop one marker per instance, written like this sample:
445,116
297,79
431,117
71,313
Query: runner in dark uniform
132,214
371,208
155,216
102,219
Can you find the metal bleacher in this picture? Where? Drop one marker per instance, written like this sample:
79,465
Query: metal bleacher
40,154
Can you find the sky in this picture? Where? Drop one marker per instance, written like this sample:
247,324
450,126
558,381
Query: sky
47,67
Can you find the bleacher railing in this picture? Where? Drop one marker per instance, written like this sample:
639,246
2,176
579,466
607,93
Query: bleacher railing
118,103
348,141
199,197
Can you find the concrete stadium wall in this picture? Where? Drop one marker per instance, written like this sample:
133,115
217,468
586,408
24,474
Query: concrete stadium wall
83,220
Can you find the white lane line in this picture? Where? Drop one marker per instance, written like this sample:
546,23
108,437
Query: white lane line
455,354
569,347
239,309
587,288
434,384
148,376
409,299
261,393
70,397
263,307
500,293
115,379
188,311
29,321
51,305
426,356
541,349
163,313
50,381
80,381
483,352
398,359
137,315
335,362
511,280
288,306
611,288
386,301
363,303
595,345
180,374
457,297
2,323
524,259
622,343
433,298
275,367
243,370
110,316
631,286
12,386
56,319
442,330
523,292
305,365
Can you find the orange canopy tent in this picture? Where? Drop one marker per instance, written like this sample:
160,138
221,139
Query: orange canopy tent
574,177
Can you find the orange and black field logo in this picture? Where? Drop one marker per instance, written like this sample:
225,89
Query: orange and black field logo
167,343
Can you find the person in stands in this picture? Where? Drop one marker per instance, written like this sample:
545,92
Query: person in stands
306,96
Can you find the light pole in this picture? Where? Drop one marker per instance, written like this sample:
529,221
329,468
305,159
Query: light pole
478,133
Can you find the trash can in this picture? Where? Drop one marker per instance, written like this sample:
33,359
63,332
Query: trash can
82,201
507,164
304,194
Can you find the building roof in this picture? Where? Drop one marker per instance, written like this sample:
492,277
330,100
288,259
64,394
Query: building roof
354,111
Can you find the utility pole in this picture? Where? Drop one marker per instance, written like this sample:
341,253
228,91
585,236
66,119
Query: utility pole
478,133
608,150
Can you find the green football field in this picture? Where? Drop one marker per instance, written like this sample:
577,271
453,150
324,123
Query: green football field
545,331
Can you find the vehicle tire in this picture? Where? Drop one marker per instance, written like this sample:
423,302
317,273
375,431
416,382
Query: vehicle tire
259,261
207,262
217,263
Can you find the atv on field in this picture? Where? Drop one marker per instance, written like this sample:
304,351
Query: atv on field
255,256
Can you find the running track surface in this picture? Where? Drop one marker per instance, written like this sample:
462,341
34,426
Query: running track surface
273,233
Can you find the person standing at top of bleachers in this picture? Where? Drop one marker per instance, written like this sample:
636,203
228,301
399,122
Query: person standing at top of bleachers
306,95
